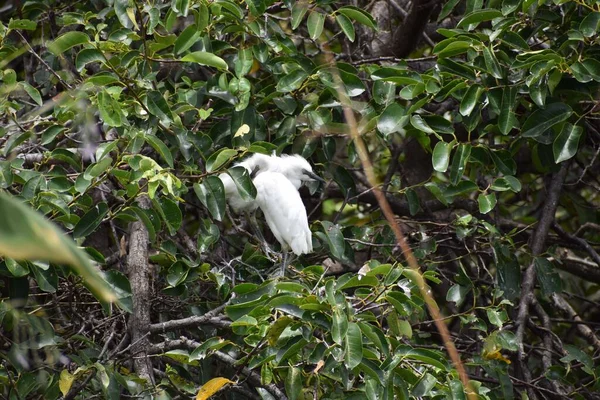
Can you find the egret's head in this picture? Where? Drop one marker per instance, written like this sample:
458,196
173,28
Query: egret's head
297,169
256,162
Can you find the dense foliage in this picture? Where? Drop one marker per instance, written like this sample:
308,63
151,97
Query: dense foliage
482,124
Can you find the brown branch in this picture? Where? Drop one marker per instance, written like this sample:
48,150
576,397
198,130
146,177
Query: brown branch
210,318
560,303
407,36
537,245
417,277
582,242
140,274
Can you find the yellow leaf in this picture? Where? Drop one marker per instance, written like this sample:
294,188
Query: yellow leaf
211,387
242,130
131,15
65,382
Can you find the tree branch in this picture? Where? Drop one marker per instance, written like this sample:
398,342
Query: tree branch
537,245
140,275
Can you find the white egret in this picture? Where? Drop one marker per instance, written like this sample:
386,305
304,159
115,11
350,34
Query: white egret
277,180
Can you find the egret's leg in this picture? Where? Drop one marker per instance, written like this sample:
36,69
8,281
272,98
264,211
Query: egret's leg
284,262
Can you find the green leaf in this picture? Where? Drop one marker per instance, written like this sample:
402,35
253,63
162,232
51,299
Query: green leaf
470,99
441,156
549,280
478,16
143,215
359,15
504,161
487,202
158,106
205,58
491,63
161,148
171,214
418,122
508,272
457,294
46,279
459,162
90,221
67,41
393,119
354,346
219,158
460,69
110,109
334,237
186,39
590,24
293,383
567,142
543,119
315,23
32,92
291,81
243,182
26,235
87,56
495,317
346,26
339,328
212,195
506,119
23,24
454,48
298,12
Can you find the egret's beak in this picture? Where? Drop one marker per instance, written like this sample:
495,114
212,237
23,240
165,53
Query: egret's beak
313,176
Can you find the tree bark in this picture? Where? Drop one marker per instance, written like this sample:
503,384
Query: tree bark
140,275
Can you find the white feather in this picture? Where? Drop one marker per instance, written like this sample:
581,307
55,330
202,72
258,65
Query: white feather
284,211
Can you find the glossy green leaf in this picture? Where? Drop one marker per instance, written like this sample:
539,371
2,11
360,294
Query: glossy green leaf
211,194
354,346
543,119
508,273
334,238
161,148
567,142
205,58
339,327
459,162
90,221
590,24
506,119
32,92
87,56
486,202
359,15
110,109
293,383
291,81
67,41
243,182
315,23
418,122
491,63
186,39
346,26
470,100
219,158
441,156
298,12
475,17
393,119
26,235
158,106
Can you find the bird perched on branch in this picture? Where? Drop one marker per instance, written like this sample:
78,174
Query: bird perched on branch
277,180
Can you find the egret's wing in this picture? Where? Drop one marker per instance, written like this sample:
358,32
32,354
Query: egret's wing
284,211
